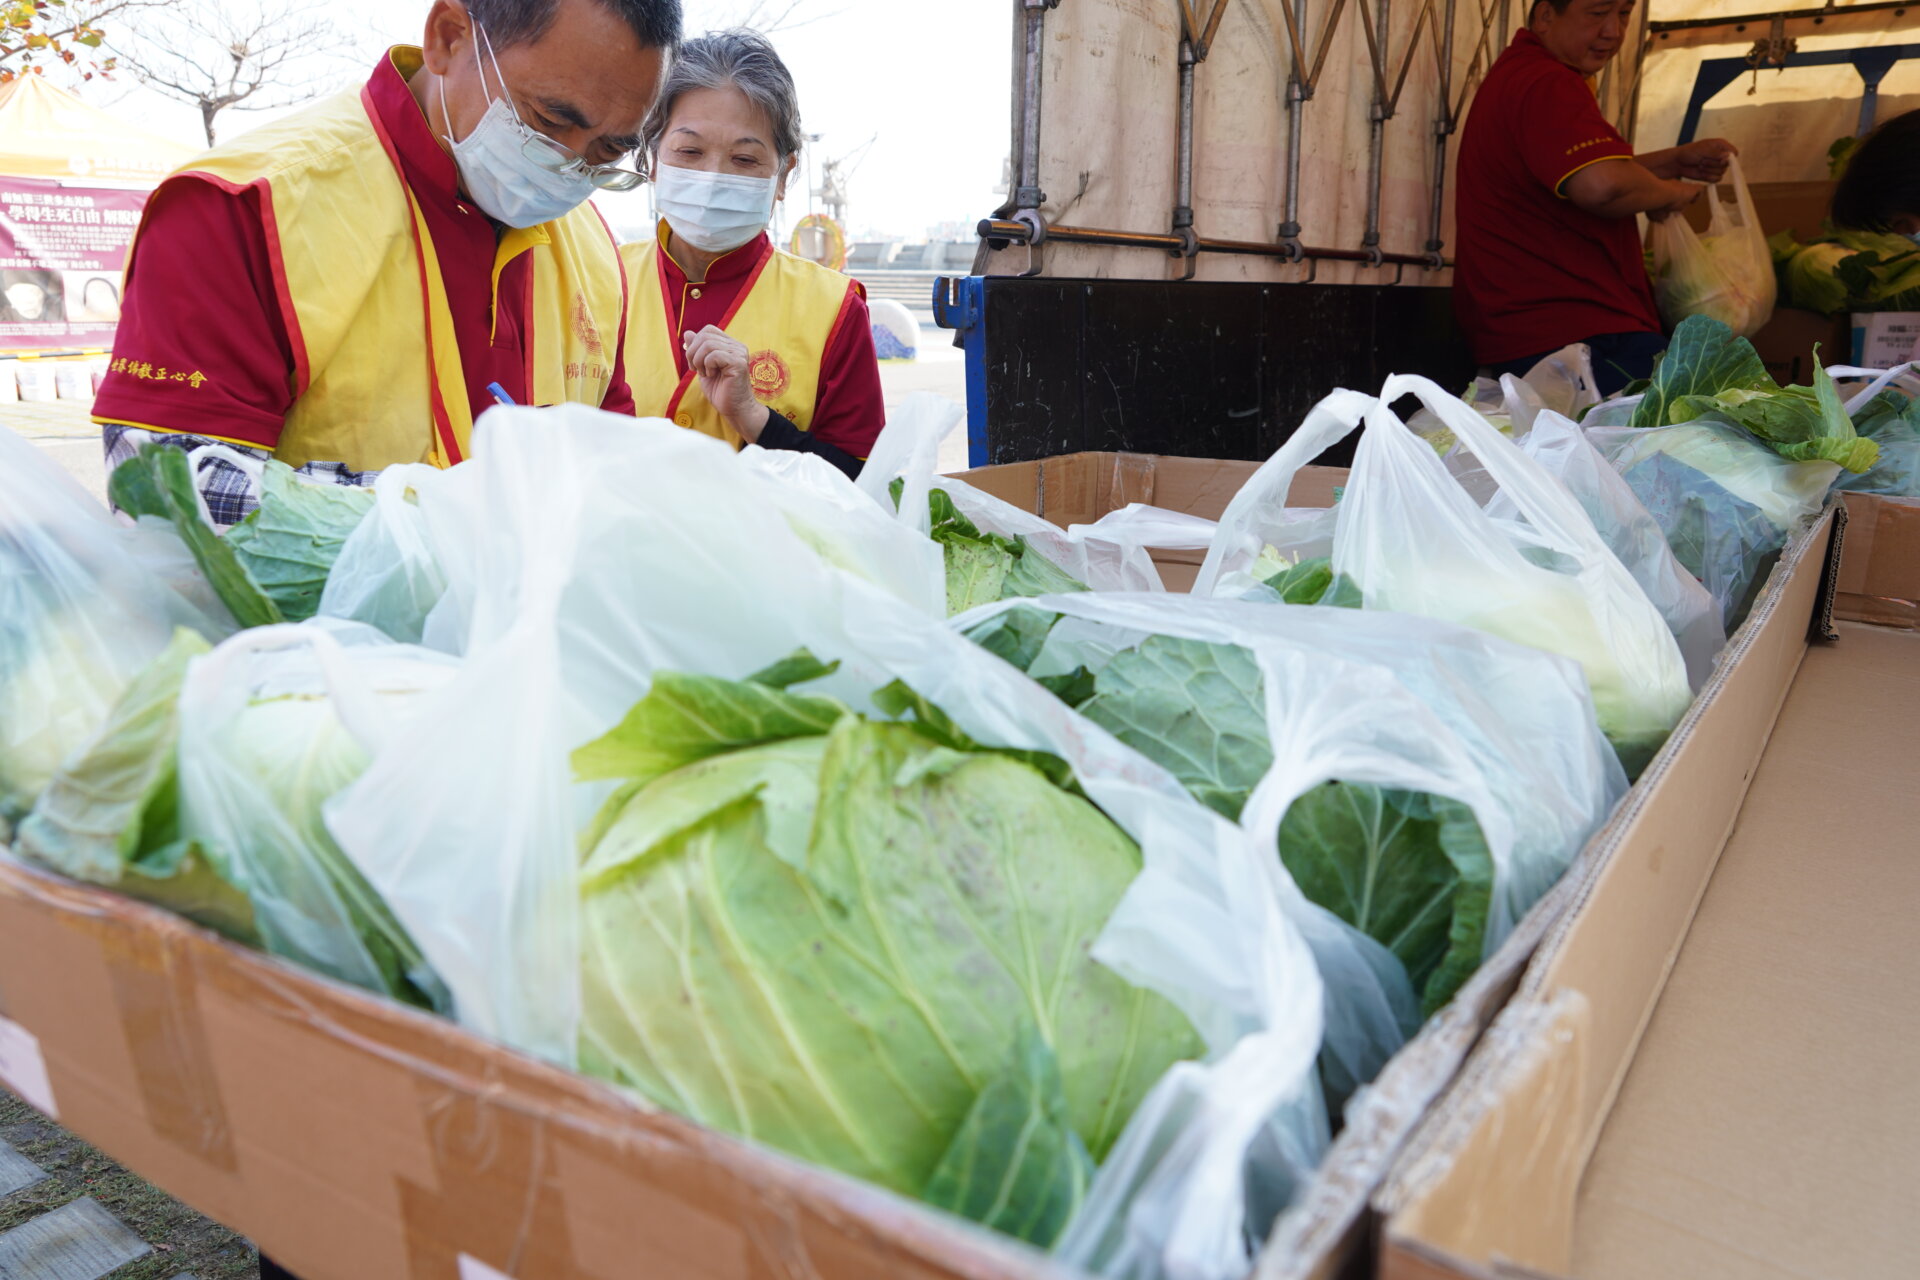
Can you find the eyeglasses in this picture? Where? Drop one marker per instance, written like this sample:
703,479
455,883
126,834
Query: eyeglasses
557,157
554,157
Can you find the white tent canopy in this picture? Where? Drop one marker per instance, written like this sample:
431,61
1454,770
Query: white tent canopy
1109,116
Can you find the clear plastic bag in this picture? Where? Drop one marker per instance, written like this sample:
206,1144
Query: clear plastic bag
1411,539
610,550
272,723
388,573
1357,697
1725,272
85,604
1562,382
1109,555
1885,408
1633,535
1725,500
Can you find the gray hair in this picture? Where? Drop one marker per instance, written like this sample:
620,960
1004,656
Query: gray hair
655,23
739,58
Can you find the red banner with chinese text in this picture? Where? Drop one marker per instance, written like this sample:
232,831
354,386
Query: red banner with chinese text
62,250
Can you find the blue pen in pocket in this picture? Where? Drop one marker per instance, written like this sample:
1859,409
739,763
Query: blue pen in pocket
499,394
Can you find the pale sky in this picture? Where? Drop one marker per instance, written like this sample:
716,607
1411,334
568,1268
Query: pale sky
934,86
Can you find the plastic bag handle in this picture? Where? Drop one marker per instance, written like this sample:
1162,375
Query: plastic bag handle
255,470
909,446
214,682
1882,379
1326,425
1545,504
1749,218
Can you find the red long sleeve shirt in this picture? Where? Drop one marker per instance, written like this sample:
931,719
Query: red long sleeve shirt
200,295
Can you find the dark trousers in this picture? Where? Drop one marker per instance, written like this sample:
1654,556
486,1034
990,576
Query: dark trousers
270,1270
1618,359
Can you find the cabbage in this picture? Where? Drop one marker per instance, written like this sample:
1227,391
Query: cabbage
56,686
1708,372
1853,271
272,566
866,944
288,545
1724,283
983,568
203,792
111,815
1892,422
1812,280
84,606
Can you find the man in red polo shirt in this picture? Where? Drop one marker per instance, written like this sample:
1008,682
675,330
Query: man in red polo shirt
1548,249
339,289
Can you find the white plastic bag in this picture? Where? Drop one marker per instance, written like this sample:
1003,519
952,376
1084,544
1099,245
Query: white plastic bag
1398,702
1725,500
85,603
1906,377
1725,272
466,822
272,723
1633,535
607,550
1413,541
1105,556
388,573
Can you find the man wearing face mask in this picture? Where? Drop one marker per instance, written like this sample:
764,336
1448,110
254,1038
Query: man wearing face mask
727,334
339,289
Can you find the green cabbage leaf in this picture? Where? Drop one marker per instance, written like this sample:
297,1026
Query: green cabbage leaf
1708,372
289,543
1410,870
867,944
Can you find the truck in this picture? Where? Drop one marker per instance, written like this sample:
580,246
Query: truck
1221,209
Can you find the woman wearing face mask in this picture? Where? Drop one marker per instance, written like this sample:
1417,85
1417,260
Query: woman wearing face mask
1880,191
727,334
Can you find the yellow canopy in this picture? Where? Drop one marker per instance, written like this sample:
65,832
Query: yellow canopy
46,132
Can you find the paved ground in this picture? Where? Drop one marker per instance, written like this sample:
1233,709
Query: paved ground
64,428
69,1213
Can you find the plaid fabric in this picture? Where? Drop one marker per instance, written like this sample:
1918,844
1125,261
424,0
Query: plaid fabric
231,494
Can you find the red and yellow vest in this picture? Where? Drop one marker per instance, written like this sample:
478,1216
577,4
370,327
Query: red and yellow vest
377,370
785,314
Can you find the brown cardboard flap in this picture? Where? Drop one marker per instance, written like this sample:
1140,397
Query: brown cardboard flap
1079,488
358,1140
1770,1123
1524,1153
1634,891
1879,579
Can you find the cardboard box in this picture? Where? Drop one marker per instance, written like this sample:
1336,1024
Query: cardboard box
1799,207
358,1140
1786,344
1883,339
1707,1069
1330,1229
1079,488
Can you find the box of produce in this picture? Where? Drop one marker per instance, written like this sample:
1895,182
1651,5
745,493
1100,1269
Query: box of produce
614,854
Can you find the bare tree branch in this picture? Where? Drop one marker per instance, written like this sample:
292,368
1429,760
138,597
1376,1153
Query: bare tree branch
769,16
63,32
248,55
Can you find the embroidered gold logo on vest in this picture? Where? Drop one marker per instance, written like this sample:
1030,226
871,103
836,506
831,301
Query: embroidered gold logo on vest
583,326
768,373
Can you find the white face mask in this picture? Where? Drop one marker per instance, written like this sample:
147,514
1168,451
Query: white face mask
713,212
496,167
